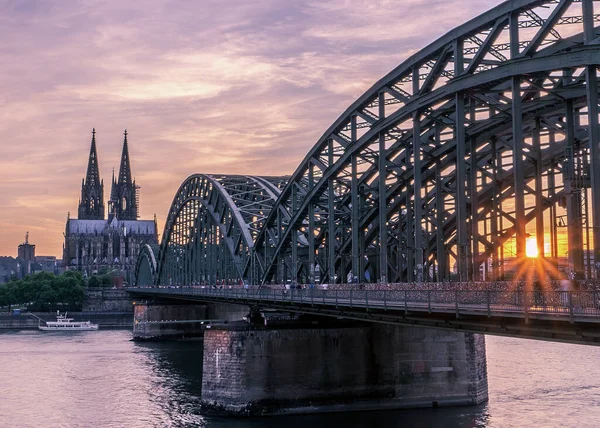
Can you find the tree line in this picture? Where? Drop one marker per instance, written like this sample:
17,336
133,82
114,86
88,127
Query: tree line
44,291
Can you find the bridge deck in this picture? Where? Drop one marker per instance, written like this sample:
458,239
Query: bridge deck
557,315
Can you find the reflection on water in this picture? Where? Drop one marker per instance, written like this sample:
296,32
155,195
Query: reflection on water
423,418
103,379
176,380
98,379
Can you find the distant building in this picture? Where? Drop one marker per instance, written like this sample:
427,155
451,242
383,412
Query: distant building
11,267
48,264
26,251
93,243
27,263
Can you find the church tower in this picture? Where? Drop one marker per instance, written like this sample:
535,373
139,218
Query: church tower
123,202
91,204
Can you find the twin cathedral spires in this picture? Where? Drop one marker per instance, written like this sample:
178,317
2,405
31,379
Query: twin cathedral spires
123,202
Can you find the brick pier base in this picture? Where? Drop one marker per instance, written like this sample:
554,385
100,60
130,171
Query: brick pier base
250,370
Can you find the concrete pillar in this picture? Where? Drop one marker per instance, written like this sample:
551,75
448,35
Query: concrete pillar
303,368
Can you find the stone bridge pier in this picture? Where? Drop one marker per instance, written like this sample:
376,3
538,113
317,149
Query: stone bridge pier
170,319
308,367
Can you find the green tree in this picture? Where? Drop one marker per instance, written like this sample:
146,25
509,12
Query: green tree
106,280
74,274
8,297
44,291
94,281
46,298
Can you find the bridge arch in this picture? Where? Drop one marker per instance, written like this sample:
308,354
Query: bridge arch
145,268
211,227
440,171
482,136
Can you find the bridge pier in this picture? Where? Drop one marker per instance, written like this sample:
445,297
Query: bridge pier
167,321
172,320
308,368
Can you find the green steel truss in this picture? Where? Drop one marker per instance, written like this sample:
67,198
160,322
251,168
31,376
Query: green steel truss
211,228
439,171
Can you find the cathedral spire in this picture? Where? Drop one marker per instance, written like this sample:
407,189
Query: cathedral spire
125,168
113,187
91,204
123,202
93,174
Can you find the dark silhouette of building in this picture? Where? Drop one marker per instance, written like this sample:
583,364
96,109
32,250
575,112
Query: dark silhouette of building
91,204
48,264
26,251
11,267
94,244
26,263
123,203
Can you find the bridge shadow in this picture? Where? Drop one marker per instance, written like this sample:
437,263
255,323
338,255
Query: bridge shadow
461,417
177,378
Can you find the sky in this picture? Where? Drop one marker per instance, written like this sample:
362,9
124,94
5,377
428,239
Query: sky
205,86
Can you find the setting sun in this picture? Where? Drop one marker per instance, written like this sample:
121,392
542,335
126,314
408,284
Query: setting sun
531,249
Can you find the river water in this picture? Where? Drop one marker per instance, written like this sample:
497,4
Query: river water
102,379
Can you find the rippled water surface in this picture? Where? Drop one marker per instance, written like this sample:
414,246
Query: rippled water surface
102,379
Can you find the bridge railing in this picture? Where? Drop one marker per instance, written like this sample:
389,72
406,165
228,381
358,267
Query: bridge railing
479,301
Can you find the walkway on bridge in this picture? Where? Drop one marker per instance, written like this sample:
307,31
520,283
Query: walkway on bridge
570,316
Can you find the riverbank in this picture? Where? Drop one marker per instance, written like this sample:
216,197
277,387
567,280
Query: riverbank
103,319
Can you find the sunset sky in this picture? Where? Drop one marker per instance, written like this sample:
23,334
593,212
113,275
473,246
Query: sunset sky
210,86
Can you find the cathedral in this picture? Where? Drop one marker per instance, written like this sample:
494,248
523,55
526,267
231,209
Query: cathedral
96,243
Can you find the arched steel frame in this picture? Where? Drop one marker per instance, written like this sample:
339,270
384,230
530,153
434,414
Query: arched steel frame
488,133
211,227
145,267
457,150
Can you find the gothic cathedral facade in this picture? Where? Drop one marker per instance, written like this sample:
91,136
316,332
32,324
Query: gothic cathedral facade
96,244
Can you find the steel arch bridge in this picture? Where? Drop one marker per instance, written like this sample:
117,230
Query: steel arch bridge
484,137
210,230
145,266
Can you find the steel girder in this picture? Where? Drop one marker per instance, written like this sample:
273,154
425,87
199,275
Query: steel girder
145,266
211,227
455,151
490,128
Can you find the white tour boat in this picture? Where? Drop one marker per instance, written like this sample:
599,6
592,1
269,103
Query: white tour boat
63,323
